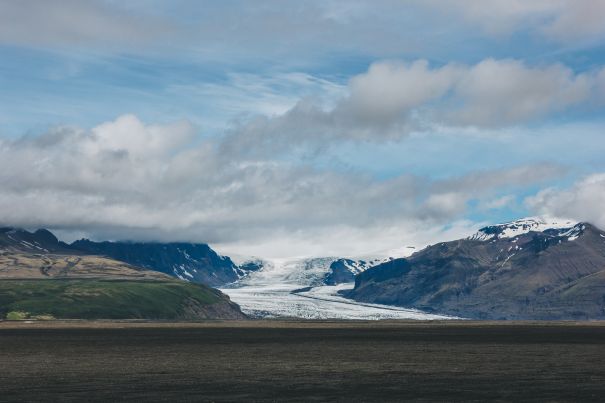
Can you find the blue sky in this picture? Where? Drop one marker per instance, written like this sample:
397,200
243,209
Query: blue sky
282,128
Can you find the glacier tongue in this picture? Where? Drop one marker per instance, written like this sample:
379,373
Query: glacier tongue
294,289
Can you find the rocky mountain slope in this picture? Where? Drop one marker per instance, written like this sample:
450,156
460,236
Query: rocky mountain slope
42,277
528,269
344,270
40,241
197,263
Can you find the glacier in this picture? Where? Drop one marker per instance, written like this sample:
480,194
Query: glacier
293,289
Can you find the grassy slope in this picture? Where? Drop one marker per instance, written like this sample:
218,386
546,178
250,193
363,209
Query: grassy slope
102,299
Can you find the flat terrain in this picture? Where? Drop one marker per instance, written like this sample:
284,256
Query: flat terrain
305,361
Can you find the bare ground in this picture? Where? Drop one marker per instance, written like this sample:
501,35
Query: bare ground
303,361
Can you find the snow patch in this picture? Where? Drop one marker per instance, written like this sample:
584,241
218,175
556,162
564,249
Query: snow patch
29,245
574,232
184,271
522,226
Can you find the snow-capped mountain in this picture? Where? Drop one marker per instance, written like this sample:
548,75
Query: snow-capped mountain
304,272
534,268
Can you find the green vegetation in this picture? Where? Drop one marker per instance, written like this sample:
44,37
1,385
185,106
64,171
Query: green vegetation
17,315
100,299
20,315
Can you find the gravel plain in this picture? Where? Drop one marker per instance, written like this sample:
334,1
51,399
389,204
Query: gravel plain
302,361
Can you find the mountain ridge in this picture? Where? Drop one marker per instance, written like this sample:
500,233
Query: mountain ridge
197,263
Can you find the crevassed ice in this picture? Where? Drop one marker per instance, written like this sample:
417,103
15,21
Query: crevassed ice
271,293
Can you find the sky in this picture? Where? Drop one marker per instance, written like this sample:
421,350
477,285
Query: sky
286,129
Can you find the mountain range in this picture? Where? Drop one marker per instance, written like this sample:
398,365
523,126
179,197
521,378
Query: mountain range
533,268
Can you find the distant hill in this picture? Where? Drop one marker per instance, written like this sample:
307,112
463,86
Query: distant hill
42,277
527,269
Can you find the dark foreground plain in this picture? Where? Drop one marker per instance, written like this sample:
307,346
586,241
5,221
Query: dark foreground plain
303,361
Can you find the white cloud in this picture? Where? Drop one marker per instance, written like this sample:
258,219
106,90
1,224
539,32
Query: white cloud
390,90
507,92
128,133
349,241
395,98
127,180
583,201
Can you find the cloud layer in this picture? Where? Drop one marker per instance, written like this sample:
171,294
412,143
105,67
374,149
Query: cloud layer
207,25
124,179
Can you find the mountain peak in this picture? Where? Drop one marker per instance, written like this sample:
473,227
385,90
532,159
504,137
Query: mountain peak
524,225
46,236
39,241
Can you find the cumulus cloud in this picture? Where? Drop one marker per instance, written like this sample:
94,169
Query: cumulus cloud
128,180
389,91
507,92
583,201
395,98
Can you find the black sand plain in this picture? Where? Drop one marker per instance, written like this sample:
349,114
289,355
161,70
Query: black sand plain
302,361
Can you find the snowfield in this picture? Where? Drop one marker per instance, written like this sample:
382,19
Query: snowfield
523,226
275,292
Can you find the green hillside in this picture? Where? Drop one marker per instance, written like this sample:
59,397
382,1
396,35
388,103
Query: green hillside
109,299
